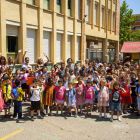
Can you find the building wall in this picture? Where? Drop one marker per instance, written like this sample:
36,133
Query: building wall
35,17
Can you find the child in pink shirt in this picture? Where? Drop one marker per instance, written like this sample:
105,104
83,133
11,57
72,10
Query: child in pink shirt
60,92
89,96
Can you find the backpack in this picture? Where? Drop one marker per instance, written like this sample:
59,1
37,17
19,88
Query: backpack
15,93
116,96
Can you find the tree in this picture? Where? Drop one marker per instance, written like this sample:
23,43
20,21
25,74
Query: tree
135,36
126,21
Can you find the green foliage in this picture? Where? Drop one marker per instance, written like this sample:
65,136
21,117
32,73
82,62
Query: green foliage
135,36
126,21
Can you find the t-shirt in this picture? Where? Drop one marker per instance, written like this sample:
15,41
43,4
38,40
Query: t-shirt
138,91
71,96
89,93
96,92
25,77
21,93
35,94
72,66
7,90
10,75
66,85
72,77
127,89
24,65
60,93
62,73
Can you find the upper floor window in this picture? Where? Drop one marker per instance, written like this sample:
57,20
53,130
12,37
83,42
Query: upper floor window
46,4
31,2
102,16
113,21
108,19
69,7
88,11
79,9
58,6
95,13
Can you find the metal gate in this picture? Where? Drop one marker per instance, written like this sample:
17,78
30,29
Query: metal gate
94,54
111,54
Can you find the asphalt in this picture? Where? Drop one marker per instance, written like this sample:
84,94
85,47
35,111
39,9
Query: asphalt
70,128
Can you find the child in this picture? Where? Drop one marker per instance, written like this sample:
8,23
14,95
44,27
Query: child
80,94
76,69
18,102
60,92
10,69
2,105
7,95
116,100
103,97
35,99
18,73
40,81
72,76
56,78
89,96
43,78
133,95
23,78
36,72
96,89
126,97
48,96
71,99
66,82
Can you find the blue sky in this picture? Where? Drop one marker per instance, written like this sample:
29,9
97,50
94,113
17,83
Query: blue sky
133,4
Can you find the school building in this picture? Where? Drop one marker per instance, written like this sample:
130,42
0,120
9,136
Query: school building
62,29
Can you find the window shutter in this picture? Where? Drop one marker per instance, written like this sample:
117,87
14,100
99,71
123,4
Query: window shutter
46,45
69,46
95,16
78,48
59,48
11,30
31,45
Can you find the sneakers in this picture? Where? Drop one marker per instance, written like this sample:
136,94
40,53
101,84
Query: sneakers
121,113
111,119
119,119
40,117
42,112
97,110
51,114
100,115
105,116
125,112
32,118
76,115
21,119
46,114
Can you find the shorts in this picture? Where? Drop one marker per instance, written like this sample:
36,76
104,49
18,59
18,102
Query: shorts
35,105
115,105
60,101
89,101
126,100
8,104
72,105
138,105
96,101
24,86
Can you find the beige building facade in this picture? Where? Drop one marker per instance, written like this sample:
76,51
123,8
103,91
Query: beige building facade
60,28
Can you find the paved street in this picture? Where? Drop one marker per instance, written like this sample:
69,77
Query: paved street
61,128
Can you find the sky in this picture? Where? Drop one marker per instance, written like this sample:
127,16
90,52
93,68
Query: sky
134,5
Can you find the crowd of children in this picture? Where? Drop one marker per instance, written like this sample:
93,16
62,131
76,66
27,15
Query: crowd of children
114,85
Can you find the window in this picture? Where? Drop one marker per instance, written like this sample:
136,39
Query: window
113,22
12,44
79,9
46,4
95,13
108,19
59,6
87,18
114,1
69,8
31,2
102,16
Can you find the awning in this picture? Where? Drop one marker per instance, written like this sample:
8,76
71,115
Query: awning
131,47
